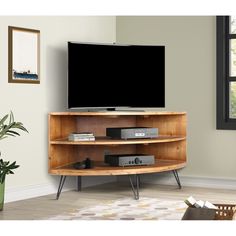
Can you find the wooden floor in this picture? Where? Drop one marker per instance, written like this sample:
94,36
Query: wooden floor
43,207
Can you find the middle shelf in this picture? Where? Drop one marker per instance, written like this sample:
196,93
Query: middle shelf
109,141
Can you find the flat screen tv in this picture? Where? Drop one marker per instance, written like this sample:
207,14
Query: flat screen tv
115,76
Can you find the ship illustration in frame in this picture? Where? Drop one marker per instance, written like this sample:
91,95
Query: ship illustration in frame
26,75
24,55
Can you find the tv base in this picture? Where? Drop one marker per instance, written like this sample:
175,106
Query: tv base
129,110
106,110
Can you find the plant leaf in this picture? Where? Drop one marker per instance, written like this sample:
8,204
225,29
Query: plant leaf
8,127
3,120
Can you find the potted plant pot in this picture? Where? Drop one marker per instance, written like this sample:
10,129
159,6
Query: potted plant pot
2,191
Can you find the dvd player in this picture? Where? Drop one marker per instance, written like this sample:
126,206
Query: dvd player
129,159
132,132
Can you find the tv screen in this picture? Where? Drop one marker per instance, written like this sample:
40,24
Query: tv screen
112,76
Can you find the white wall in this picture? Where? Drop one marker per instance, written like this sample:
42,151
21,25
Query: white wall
31,103
190,85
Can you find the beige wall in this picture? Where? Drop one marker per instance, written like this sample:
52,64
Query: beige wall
190,85
31,103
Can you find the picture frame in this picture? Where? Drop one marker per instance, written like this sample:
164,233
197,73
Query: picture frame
23,55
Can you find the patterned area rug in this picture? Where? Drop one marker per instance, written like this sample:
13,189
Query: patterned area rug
129,209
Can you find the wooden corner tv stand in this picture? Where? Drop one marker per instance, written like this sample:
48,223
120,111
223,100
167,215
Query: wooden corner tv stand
169,148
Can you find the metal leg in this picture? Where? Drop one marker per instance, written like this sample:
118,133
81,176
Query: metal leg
79,183
177,178
61,183
135,189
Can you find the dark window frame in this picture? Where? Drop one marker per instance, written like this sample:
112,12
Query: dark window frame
223,78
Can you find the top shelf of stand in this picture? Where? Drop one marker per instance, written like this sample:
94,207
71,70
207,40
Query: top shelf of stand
117,113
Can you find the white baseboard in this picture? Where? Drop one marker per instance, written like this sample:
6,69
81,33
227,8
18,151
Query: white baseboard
190,181
13,194
206,182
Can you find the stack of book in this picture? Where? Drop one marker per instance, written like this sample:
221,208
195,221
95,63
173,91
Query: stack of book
82,136
192,202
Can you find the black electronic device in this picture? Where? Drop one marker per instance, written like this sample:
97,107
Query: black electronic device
86,164
129,159
79,165
132,132
123,75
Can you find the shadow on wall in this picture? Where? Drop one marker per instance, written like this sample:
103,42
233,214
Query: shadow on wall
55,77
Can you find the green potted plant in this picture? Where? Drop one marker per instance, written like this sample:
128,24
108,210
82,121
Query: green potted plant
8,128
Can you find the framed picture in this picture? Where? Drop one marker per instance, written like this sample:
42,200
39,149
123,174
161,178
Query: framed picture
23,55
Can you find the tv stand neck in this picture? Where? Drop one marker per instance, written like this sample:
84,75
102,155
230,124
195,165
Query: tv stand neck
129,110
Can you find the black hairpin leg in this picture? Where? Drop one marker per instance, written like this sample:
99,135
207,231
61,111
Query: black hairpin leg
62,181
177,178
135,188
79,183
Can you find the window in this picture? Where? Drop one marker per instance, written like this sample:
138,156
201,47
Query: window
226,72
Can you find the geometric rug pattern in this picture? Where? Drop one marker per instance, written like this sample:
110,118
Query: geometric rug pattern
129,209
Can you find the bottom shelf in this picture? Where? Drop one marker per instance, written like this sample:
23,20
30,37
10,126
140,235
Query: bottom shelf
100,168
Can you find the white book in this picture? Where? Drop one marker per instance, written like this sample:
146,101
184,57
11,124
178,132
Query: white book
209,205
190,201
82,139
82,134
199,204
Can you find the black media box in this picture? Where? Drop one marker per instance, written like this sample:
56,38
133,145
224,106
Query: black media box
129,159
132,132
